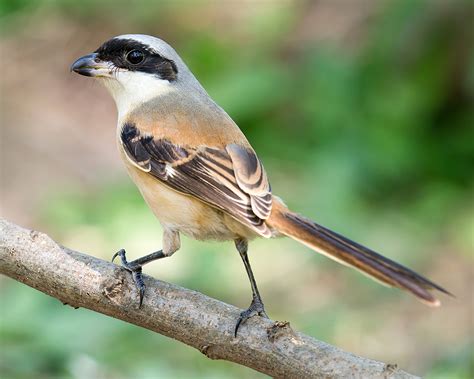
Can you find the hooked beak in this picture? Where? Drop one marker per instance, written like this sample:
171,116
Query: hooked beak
91,65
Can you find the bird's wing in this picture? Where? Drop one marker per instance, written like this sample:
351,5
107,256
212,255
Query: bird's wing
231,179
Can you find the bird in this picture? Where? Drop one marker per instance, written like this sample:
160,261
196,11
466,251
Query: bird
199,174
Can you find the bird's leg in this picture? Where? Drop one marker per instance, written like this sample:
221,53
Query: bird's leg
171,244
135,267
256,306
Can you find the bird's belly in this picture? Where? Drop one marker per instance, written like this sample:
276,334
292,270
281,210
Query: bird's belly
184,213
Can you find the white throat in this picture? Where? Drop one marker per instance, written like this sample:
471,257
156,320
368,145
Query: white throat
131,89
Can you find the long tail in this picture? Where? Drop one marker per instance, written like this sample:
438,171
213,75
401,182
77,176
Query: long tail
349,253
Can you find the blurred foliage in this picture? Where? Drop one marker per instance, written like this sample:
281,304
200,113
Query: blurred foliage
381,133
458,364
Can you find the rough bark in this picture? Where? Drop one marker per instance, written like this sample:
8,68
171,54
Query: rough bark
206,324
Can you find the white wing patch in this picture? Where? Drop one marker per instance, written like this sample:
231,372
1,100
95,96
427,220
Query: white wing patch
169,170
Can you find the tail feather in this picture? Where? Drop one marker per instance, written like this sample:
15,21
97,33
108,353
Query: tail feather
352,254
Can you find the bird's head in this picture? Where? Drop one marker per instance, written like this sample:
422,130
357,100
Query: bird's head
136,68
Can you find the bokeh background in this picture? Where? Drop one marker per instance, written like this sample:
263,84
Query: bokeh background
362,112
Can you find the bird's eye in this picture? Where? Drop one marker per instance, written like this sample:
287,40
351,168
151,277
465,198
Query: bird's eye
135,57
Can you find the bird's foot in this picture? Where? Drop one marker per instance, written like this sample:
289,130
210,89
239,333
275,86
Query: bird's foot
136,270
256,308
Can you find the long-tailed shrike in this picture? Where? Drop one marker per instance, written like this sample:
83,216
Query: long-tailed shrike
199,174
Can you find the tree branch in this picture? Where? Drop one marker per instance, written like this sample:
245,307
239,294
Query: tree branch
204,323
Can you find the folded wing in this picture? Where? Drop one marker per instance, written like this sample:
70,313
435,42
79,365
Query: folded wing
231,179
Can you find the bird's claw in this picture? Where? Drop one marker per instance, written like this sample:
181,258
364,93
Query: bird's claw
136,271
256,308
121,252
